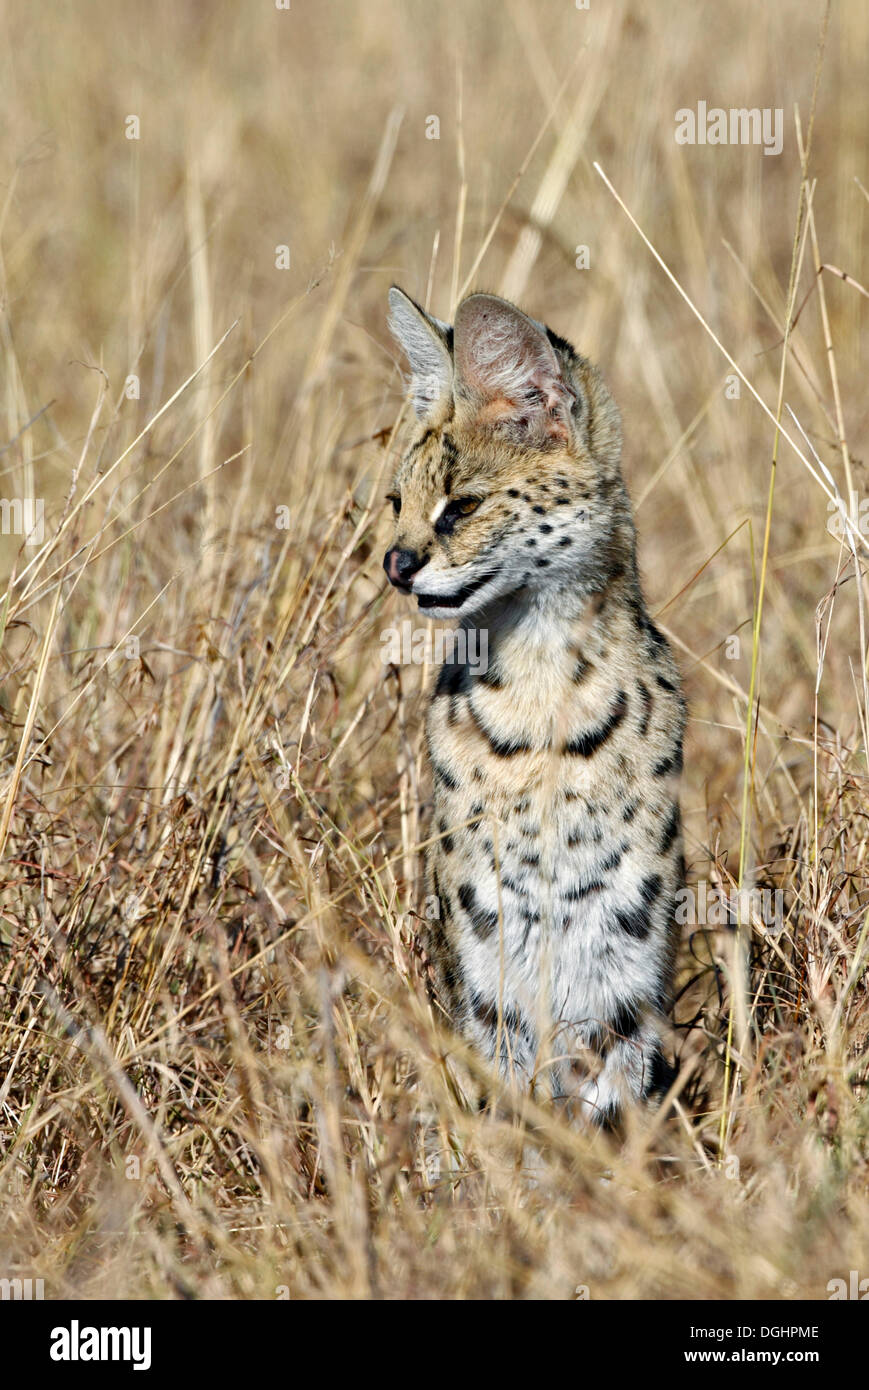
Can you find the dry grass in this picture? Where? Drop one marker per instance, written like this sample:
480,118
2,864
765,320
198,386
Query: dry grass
219,1072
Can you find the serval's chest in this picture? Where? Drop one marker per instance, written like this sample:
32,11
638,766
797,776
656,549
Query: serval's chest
554,786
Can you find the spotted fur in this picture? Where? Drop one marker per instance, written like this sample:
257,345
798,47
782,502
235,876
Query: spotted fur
558,847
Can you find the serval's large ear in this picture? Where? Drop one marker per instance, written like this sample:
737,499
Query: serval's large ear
426,343
507,367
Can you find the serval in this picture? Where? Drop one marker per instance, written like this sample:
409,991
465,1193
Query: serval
557,846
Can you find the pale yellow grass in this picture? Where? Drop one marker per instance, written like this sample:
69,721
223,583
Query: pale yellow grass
220,1075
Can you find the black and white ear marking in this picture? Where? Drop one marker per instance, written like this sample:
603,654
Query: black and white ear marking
424,341
504,360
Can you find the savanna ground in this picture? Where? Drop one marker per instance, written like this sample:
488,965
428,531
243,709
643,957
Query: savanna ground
220,1073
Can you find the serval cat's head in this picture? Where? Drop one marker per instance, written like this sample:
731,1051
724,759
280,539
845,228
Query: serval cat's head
511,485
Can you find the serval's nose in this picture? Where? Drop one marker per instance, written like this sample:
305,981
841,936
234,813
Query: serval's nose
401,566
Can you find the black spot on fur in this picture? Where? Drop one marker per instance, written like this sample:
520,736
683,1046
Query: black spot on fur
646,701
453,679
671,830
485,1011
588,743
453,983
513,887
645,624
613,860
502,748
660,1075
420,443
482,921
667,765
441,774
577,891
625,1021
450,451
637,921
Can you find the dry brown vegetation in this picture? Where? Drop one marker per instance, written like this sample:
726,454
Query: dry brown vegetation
220,1075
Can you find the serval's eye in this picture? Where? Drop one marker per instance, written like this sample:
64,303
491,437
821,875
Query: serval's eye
454,511
394,498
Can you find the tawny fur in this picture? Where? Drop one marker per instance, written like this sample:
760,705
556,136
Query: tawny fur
555,771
